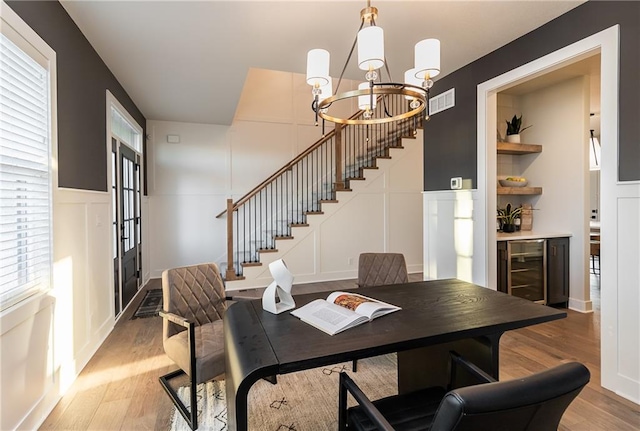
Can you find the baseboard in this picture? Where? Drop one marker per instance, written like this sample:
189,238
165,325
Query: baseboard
580,305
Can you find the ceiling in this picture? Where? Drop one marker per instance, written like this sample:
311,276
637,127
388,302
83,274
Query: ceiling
187,61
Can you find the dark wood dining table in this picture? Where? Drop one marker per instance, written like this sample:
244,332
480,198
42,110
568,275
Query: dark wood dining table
437,316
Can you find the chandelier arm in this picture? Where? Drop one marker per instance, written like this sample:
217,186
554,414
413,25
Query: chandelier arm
314,107
346,63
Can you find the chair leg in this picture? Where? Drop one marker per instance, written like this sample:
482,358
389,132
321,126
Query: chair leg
191,417
342,405
354,366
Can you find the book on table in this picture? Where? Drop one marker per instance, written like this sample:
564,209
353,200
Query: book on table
342,310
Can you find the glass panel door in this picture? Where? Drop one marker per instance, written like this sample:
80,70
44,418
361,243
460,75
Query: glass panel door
527,270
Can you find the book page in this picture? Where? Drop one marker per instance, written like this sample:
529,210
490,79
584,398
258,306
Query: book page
363,305
327,317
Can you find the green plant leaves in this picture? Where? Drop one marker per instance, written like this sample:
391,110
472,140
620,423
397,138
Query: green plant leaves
514,127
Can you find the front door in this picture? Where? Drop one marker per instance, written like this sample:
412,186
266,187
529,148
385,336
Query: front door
129,212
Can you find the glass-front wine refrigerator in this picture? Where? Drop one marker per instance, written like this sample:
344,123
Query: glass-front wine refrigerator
527,269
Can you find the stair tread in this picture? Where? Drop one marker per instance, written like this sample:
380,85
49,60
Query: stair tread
237,277
299,224
284,237
313,212
251,264
267,250
329,201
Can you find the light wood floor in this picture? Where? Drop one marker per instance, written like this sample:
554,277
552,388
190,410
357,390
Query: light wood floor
119,389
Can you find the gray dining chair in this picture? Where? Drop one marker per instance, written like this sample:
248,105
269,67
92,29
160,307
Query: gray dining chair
379,269
194,304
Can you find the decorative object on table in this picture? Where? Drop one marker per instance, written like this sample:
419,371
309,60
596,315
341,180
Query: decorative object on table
526,217
514,182
279,289
508,216
514,128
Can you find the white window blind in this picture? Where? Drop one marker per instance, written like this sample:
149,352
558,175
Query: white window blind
25,181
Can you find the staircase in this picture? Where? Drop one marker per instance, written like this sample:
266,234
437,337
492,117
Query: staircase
268,216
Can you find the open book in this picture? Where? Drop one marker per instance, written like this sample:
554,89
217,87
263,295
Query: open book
342,310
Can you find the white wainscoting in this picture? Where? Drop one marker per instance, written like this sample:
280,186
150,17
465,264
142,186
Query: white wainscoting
48,339
451,236
620,291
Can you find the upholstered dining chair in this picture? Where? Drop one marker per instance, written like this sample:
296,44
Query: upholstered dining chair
379,269
193,308
533,403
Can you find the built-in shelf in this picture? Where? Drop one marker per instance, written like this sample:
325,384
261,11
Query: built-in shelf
519,190
508,148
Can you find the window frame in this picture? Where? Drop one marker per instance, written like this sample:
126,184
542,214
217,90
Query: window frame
28,41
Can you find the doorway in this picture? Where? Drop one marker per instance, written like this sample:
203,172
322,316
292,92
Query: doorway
617,198
561,109
129,215
126,185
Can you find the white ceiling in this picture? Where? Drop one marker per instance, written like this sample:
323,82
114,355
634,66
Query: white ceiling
187,60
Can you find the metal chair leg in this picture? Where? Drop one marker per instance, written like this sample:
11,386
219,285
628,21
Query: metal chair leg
191,417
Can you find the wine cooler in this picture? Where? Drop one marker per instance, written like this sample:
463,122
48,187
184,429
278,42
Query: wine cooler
527,269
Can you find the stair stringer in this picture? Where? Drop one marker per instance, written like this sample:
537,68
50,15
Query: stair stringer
306,254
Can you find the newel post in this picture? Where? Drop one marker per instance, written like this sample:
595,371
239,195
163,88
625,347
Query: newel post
231,272
338,158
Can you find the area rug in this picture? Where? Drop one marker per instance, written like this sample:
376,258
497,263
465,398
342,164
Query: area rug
302,401
150,305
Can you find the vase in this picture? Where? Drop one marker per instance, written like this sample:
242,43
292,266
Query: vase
514,139
508,228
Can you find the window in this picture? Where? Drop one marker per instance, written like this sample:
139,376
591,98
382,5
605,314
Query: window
25,172
122,128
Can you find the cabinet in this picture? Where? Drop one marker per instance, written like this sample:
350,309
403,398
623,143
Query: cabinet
518,149
516,262
502,267
558,270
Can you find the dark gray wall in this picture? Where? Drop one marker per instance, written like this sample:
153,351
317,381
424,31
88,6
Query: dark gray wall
83,79
450,137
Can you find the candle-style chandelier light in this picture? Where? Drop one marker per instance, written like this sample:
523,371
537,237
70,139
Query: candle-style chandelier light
373,93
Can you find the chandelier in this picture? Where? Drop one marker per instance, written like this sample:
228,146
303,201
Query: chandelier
373,92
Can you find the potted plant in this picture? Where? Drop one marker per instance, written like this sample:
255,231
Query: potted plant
508,216
514,128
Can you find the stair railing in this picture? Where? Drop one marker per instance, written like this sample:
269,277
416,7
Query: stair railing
283,201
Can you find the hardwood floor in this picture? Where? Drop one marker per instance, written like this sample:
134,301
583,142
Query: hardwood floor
119,389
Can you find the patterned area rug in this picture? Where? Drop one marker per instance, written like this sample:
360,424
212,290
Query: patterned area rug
302,401
150,305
